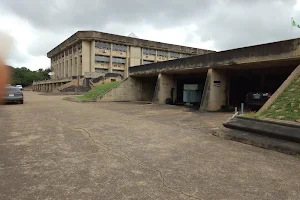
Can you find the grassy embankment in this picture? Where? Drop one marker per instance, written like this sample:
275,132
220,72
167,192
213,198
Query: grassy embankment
98,91
286,106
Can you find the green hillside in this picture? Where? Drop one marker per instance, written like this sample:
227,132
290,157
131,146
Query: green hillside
98,91
286,106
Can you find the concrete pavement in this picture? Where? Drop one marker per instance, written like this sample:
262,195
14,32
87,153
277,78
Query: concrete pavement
55,149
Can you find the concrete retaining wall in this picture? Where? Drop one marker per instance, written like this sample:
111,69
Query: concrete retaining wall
129,89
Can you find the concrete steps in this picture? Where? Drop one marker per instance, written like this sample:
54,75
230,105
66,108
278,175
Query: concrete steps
261,141
61,88
275,135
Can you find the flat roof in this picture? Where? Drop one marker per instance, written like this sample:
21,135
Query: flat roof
287,50
119,39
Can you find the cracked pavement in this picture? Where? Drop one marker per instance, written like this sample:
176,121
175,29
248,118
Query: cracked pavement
55,149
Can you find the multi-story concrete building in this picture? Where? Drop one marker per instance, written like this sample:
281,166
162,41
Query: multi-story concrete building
87,53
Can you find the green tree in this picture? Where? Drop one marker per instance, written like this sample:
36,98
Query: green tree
25,76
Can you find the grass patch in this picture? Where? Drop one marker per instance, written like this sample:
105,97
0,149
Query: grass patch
98,91
286,106
251,114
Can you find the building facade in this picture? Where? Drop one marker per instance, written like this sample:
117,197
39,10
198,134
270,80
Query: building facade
88,53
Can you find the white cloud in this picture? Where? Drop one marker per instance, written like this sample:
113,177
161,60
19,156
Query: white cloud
22,34
38,26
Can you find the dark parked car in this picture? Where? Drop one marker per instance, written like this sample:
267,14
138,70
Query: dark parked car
13,94
257,98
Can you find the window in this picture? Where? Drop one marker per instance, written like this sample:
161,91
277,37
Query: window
66,53
70,50
74,49
102,45
102,58
147,61
118,60
71,62
149,52
183,55
81,59
101,70
79,46
118,47
121,72
162,53
174,55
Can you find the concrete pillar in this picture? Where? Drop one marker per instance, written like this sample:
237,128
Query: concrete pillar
86,57
79,66
126,70
66,68
92,56
110,66
61,69
57,70
215,90
66,65
69,66
74,66
165,85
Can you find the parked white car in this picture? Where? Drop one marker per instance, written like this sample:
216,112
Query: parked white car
19,86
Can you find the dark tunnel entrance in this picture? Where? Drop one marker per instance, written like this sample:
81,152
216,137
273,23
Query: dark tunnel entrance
148,88
182,95
260,83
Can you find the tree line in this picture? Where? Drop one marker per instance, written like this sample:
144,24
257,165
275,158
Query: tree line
24,76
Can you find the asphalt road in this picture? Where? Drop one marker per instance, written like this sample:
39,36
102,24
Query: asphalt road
55,149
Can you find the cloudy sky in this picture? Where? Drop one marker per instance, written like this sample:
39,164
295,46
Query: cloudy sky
37,26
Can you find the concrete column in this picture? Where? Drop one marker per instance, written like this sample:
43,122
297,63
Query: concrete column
74,66
86,57
165,85
61,69
110,66
65,67
70,66
126,69
79,66
215,90
92,56
57,70
156,56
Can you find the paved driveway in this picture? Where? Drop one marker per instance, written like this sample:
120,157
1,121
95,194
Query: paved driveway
55,149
